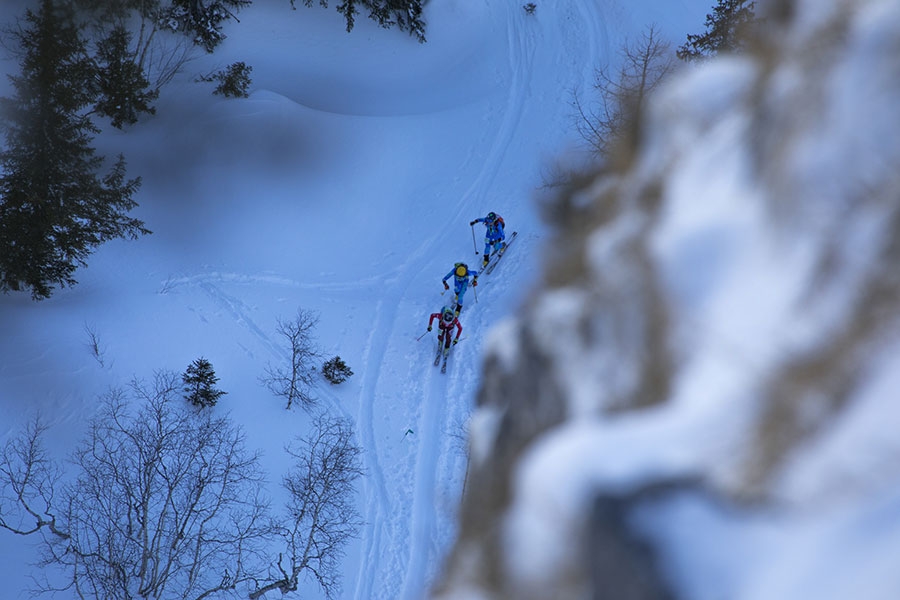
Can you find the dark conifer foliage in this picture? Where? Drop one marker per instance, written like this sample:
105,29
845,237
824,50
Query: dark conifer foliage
406,15
233,81
725,29
336,370
124,91
201,19
199,384
54,206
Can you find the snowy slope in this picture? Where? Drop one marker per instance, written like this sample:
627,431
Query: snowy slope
344,185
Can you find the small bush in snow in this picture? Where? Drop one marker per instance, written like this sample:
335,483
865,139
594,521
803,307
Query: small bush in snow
336,370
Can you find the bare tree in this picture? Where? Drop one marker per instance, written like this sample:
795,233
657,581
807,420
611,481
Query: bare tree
622,95
322,515
165,501
29,478
294,382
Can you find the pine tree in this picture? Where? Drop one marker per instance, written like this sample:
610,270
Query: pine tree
54,207
199,384
122,85
724,30
336,370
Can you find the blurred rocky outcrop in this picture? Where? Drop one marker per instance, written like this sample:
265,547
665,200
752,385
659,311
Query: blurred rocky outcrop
720,314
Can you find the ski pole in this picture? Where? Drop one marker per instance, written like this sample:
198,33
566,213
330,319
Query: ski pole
474,245
421,336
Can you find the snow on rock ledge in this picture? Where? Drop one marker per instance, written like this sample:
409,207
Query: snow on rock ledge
721,349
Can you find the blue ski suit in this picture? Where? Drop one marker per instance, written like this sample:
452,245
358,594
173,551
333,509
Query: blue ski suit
460,283
494,234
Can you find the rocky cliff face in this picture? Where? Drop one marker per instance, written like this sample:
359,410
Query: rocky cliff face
718,327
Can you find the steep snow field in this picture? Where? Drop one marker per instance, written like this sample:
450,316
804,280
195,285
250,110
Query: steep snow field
344,185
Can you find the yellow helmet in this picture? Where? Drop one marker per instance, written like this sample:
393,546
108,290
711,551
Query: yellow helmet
461,271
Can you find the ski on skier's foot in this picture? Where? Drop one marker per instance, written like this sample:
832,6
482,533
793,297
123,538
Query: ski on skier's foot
444,364
496,257
437,357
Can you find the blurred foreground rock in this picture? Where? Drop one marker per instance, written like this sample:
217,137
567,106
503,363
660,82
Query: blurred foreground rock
719,319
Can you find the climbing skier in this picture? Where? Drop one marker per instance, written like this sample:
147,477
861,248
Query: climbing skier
446,322
494,237
460,274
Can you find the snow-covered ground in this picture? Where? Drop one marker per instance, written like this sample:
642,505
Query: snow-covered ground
343,185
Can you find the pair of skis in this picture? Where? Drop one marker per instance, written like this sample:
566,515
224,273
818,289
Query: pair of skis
495,258
440,353
437,357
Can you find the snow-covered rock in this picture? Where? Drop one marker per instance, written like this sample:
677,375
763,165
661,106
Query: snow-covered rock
702,402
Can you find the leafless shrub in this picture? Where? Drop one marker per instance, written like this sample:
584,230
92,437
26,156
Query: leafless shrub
610,121
93,343
295,380
168,285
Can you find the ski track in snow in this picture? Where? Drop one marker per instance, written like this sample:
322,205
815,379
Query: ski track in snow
240,314
376,490
423,550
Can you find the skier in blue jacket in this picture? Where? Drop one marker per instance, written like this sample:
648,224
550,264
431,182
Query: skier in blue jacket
460,274
493,236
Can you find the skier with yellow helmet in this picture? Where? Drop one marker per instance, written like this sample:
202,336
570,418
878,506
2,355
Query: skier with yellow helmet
460,274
